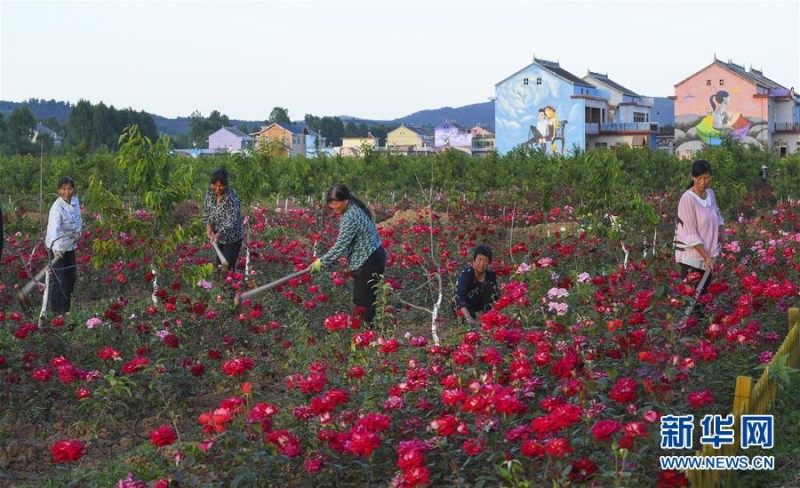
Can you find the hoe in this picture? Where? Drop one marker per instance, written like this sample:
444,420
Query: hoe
239,298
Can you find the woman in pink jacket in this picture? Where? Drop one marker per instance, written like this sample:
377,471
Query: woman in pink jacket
700,232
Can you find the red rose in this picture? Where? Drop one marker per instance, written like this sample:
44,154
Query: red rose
624,390
699,398
163,436
197,369
603,429
67,451
471,447
171,341
108,353
42,374
557,447
445,425
418,475
582,470
672,479
136,364
532,449
237,367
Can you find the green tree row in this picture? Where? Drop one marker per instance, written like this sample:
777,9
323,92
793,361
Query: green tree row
90,128
601,177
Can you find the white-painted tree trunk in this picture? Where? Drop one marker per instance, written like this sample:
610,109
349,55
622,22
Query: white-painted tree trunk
155,285
625,262
45,297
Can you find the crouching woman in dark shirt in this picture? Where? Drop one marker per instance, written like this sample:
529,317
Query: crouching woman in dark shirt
476,288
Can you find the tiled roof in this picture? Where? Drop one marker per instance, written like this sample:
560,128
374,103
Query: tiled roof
236,132
616,86
556,69
454,125
753,75
420,131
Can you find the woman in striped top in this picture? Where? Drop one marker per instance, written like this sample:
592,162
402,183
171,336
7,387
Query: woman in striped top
360,243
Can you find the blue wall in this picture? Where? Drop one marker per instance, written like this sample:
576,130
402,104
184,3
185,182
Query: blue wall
663,111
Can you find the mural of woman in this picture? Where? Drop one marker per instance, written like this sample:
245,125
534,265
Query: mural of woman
720,121
552,123
553,132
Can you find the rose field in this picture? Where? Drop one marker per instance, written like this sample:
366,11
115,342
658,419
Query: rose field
156,379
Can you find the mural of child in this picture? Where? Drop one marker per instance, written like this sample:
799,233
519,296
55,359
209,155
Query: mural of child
540,130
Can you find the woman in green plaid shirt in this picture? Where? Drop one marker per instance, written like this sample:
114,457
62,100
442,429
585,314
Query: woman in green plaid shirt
360,243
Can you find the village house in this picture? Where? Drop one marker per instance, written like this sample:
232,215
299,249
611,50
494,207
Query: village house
450,136
354,146
281,140
409,140
545,107
724,99
229,139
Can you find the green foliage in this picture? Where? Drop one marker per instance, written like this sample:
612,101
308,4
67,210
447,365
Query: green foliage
97,127
151,174
193,274
331,128
279,115
606,181
16,132
785,176
202,127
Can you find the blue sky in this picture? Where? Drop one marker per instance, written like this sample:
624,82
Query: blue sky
377,59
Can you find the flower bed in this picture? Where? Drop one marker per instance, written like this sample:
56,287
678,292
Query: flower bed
564,381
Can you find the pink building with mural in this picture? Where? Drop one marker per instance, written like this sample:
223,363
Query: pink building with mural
726,100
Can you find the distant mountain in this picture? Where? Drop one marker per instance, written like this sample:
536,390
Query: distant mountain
41,109
172,127
466,116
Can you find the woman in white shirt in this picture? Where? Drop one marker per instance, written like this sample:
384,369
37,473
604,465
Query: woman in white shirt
64,226
700,231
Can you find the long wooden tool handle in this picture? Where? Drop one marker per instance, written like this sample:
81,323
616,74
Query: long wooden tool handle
697,294
36,279
280,281
219,254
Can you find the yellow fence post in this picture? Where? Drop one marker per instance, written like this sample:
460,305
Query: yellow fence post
794,336
751,399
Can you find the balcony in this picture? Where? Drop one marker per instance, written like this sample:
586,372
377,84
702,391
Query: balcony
629,127
592,129
787,127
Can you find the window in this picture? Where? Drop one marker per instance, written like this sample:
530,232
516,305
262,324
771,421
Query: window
639,117
525,81
708,82
721,82
538,81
